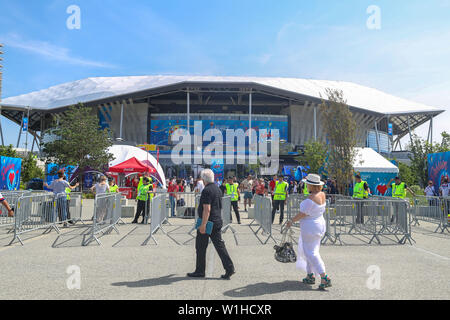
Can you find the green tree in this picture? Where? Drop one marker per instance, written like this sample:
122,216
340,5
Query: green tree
30,168
339,127
8,152
407,174
314,156
420,149
79,141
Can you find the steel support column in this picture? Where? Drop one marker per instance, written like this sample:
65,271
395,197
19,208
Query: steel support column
378,138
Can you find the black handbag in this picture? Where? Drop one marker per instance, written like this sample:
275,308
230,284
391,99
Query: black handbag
181,203
285,252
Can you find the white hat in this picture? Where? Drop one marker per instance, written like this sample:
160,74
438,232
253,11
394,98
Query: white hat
314,179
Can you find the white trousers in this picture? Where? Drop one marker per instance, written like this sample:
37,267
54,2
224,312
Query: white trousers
309,259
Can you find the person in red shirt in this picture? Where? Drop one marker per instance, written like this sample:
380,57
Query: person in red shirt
172,189
272,185
260,188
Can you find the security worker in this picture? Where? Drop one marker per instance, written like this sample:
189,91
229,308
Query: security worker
305,188
399,192
113,187
360,192
142,198
68,191
279,198
233,191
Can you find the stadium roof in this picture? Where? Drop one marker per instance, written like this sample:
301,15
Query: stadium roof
96,91
92,89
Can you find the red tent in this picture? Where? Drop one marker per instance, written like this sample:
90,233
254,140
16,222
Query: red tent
132,165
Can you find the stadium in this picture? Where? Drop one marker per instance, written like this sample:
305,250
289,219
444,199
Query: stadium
147,109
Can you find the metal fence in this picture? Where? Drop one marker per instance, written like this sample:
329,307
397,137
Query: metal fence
12,197
158,209
369,218
181,205
196,204
107,212
435,210
263,218
34,212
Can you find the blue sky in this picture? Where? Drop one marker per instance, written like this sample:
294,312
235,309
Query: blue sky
320,39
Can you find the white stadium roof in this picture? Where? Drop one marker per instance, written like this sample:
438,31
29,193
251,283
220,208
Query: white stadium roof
92,89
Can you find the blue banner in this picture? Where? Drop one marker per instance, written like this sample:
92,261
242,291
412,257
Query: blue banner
438,168
25,124
52,172
10,173
162,129
217,166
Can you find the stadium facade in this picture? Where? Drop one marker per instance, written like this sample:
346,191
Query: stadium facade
147,109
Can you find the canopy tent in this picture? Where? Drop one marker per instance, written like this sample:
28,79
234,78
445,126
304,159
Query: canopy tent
368,160
132,165
123,153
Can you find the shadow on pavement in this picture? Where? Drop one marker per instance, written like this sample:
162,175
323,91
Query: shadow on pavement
262,288
162,281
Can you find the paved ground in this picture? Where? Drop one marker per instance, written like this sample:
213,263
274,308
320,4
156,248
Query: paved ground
123,269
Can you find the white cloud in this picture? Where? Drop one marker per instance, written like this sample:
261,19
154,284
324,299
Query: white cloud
50,51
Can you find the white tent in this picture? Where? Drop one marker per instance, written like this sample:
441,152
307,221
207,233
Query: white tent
123,153
368,160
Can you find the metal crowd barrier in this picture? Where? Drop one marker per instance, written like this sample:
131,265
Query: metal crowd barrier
34,212
158,209
369,218
435,210
186,210
12,197
196,204
107,212
263,217
293,207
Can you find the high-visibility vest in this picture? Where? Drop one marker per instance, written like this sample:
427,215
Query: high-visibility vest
114,189
280,191
399,191
359,192
68,190
305,189
232,190
141,182
143,192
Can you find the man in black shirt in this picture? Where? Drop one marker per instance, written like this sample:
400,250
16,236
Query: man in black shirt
209,209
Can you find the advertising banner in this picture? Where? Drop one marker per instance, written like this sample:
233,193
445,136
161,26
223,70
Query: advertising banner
217,166
162,129
438,168
10,173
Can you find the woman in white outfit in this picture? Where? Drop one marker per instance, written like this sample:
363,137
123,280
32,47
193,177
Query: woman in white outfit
312,230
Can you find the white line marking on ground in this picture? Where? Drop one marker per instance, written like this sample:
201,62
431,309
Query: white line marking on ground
432,253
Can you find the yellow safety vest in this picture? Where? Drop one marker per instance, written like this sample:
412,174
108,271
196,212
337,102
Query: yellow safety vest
305,189
143,192
68,190
359,192
280,191
399,191
114,189
232,190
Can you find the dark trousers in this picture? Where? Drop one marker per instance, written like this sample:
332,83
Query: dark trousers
359,212
201,244
142,208
278,204
68,210
234,205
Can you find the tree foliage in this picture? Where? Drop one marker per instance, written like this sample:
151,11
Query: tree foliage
407,174
339,127
30,168
420,149
8,152
80,140
314,156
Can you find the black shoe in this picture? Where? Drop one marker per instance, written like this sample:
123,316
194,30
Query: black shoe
196,275
227,275
134,221
239,222
71,222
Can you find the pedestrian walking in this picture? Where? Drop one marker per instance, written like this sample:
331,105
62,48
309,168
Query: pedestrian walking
312,230
209,209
